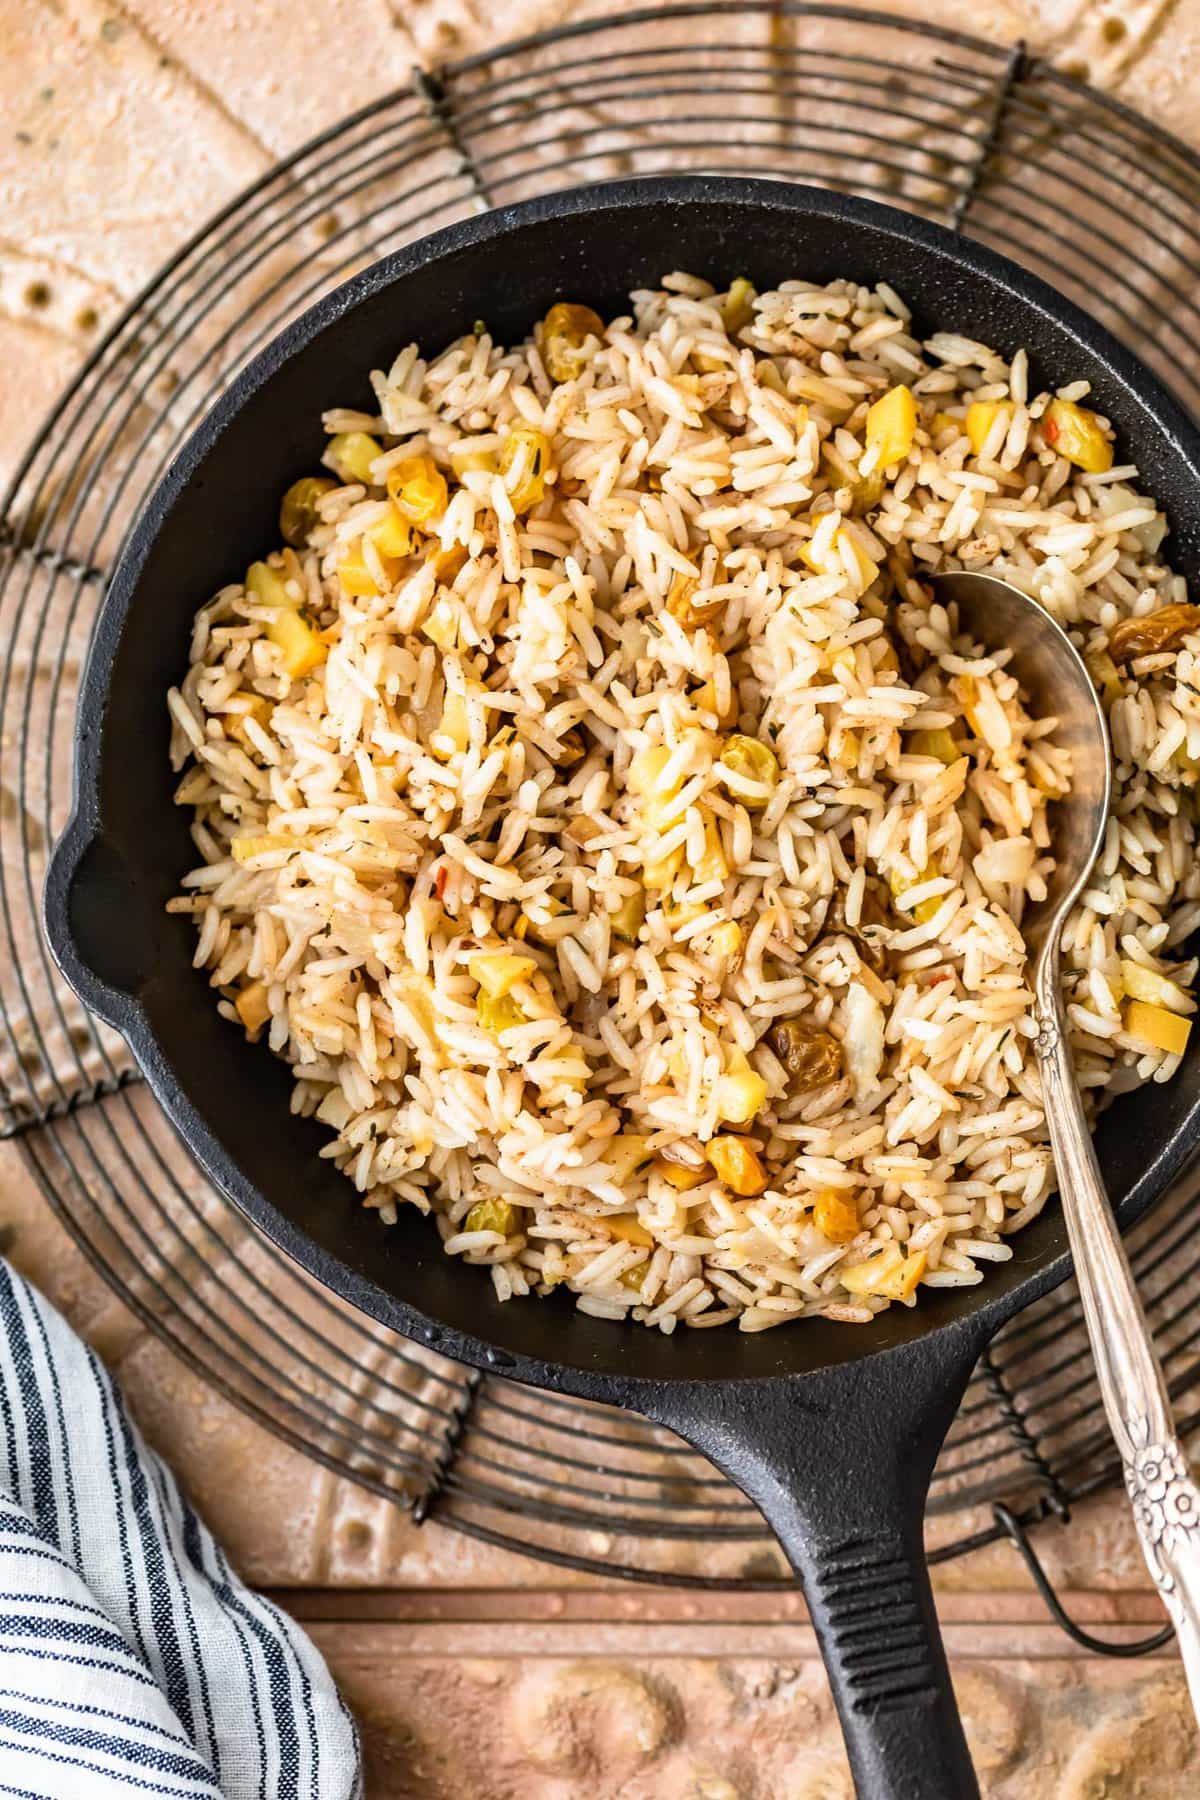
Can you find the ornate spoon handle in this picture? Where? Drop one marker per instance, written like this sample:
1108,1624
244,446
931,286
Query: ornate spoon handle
1166,1500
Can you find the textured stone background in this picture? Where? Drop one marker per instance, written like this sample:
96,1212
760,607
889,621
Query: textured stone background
122,127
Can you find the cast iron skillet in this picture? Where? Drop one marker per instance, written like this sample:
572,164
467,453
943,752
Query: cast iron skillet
831,1430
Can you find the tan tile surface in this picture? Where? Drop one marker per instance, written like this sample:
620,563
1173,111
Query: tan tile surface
122,126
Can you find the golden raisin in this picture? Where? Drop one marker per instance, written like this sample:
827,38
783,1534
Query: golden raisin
298,512
811,1057
681,605
738,1166
1150,636
565,331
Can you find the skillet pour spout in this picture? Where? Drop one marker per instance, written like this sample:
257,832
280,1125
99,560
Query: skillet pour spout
831,1429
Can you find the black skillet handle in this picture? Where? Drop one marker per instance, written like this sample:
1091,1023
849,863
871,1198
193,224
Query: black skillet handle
839,1463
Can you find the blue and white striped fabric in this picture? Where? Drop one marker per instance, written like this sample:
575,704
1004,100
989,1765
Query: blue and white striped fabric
132,1659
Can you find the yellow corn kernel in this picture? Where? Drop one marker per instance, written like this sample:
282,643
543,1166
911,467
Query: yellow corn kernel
565,333
294,637
676,1176
1074,432
741,1092
453,728
351,453
737,308
629,1228
418,489
844,550
498,971
937,743
738,1166
498,1015
626,922
748,766
298,510
891,1275
265,586
491,1215
243,849
252,1006
835,1216
924,910
393,536
712,865
981,416
892,425
530,451
724,940
625,1154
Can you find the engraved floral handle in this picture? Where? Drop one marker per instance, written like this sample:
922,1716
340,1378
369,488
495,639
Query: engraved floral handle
1166,1500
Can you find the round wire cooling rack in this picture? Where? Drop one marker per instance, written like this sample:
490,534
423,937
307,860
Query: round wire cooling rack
986,139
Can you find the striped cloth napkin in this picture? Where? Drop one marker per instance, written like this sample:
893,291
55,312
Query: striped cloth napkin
132,1659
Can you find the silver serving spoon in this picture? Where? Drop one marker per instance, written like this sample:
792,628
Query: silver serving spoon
1166,1501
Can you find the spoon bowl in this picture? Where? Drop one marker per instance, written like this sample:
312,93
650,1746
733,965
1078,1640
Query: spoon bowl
1166,1500
1053,677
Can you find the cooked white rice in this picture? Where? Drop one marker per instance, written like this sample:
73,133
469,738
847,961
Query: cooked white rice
875,898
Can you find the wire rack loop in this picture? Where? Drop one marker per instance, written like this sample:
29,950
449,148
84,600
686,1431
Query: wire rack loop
981,137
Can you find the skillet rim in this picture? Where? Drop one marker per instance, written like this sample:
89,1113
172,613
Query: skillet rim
1163,415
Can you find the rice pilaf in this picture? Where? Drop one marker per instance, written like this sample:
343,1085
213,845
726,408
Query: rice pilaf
629,857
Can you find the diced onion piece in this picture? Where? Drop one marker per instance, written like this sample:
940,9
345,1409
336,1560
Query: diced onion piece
1074,432
890,1275
499,971
244,849
835,1216
862,1045
1157,1028
738,1166
491,1215
629,1228
351,453
892,425
295,638
1141,983
252,1006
